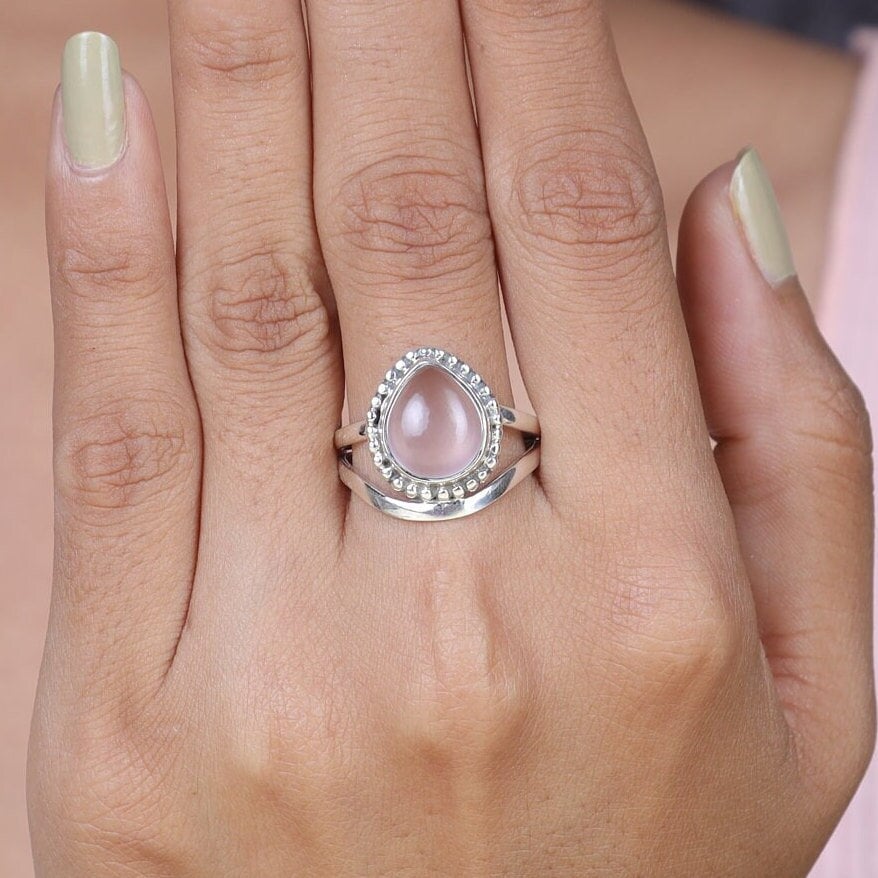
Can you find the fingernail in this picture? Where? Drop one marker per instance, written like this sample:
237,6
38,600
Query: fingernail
93,101
758,213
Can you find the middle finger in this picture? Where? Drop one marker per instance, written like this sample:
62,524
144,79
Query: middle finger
399,190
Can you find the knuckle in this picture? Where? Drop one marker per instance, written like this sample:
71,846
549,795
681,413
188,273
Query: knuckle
687,658
676,638
239,50
829,428
263,304
303,745
841,419
528,10
587,190
121,457
413,217
471,691
97,272
472,708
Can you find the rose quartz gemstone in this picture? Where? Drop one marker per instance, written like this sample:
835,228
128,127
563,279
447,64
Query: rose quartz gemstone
434,429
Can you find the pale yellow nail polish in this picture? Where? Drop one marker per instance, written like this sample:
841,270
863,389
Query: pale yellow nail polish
93,100
758,212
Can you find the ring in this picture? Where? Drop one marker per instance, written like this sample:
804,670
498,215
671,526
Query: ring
434,431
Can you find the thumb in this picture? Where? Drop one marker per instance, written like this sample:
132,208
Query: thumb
794,451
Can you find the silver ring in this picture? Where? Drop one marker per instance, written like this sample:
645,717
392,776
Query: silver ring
434,432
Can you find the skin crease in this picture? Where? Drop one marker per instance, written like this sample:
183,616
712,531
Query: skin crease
32,35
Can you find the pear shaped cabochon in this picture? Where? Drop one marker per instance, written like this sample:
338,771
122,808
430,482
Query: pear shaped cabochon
434,429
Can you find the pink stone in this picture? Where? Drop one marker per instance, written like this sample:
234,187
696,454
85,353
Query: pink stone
434,429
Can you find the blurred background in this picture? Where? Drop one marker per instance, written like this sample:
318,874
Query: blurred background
32,34
827,20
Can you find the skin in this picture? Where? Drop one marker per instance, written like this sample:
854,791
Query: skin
31,38
454,612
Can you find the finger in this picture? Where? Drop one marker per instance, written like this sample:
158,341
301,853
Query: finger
127,441
794,453
256,305
579,226
399,189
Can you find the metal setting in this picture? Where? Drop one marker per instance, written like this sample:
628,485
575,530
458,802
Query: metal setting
459,495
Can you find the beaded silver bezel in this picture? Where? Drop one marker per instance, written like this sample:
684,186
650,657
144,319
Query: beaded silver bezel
460,484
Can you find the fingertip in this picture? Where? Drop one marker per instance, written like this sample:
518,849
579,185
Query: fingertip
101,120
748,319
709,245
88,197
732,222
97,218
711,187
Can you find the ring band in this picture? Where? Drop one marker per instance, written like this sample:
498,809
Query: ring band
434,431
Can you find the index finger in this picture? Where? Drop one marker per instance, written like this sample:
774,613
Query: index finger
580,231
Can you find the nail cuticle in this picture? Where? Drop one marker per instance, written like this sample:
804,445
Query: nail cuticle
94,171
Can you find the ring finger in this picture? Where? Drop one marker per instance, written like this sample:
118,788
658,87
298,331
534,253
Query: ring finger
399,190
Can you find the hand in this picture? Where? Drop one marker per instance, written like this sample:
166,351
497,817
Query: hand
652,659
